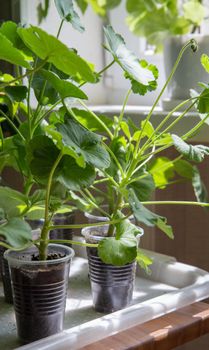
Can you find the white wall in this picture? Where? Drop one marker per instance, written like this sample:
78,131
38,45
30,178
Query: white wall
88,43
114,87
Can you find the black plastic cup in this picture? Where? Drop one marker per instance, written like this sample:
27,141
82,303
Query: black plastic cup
112,286
4,267
5,276
39,290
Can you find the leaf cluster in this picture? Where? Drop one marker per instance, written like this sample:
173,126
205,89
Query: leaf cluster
63,153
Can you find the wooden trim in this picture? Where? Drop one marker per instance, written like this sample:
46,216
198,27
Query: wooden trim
163,333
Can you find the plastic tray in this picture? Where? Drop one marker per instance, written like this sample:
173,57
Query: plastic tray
170,286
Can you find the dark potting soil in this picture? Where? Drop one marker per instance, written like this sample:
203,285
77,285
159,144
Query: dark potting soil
39,298
54,256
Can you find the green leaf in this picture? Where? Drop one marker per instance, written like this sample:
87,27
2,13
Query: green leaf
50,95
147,217
148,129
9,30
165,139
121,249
125,128
125,229
84,143
49,48
143,187
194,153
154,20
10,54
82,4
144,261
162,170
63,87
66,149
142,76
194,11
205,62
85,118
66,11
42,10
73,176
16,93
184,168
117,252
16,232
12,202
101,7
203,102
199,188
42,154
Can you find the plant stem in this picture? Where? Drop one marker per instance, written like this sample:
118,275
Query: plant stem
202,204
97,119
45,229
115,159
100,72
89,198
60,27
39,107
27,74
195,129
96,224
46,113
165,85
169,127
165,120
68,241
116,208
2,138
12,124
122,113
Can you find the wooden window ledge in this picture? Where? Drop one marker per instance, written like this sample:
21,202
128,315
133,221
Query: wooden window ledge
163,333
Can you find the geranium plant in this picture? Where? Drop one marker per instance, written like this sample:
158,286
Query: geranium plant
59,155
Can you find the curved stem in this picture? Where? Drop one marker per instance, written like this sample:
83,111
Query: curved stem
122,113
45,229
100,72
165,86
12,124
195,129
27,74
68,241
46,113
115,158
97,119
202,204
96,224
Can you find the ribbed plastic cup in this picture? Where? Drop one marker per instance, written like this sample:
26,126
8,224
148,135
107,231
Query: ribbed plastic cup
5,275
112,286
67,233
4,267
39,290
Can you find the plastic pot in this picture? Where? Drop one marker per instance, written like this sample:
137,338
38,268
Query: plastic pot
111,286
63,219
5,276
4,267
39,290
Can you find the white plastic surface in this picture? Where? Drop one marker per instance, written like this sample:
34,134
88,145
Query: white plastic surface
171,285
